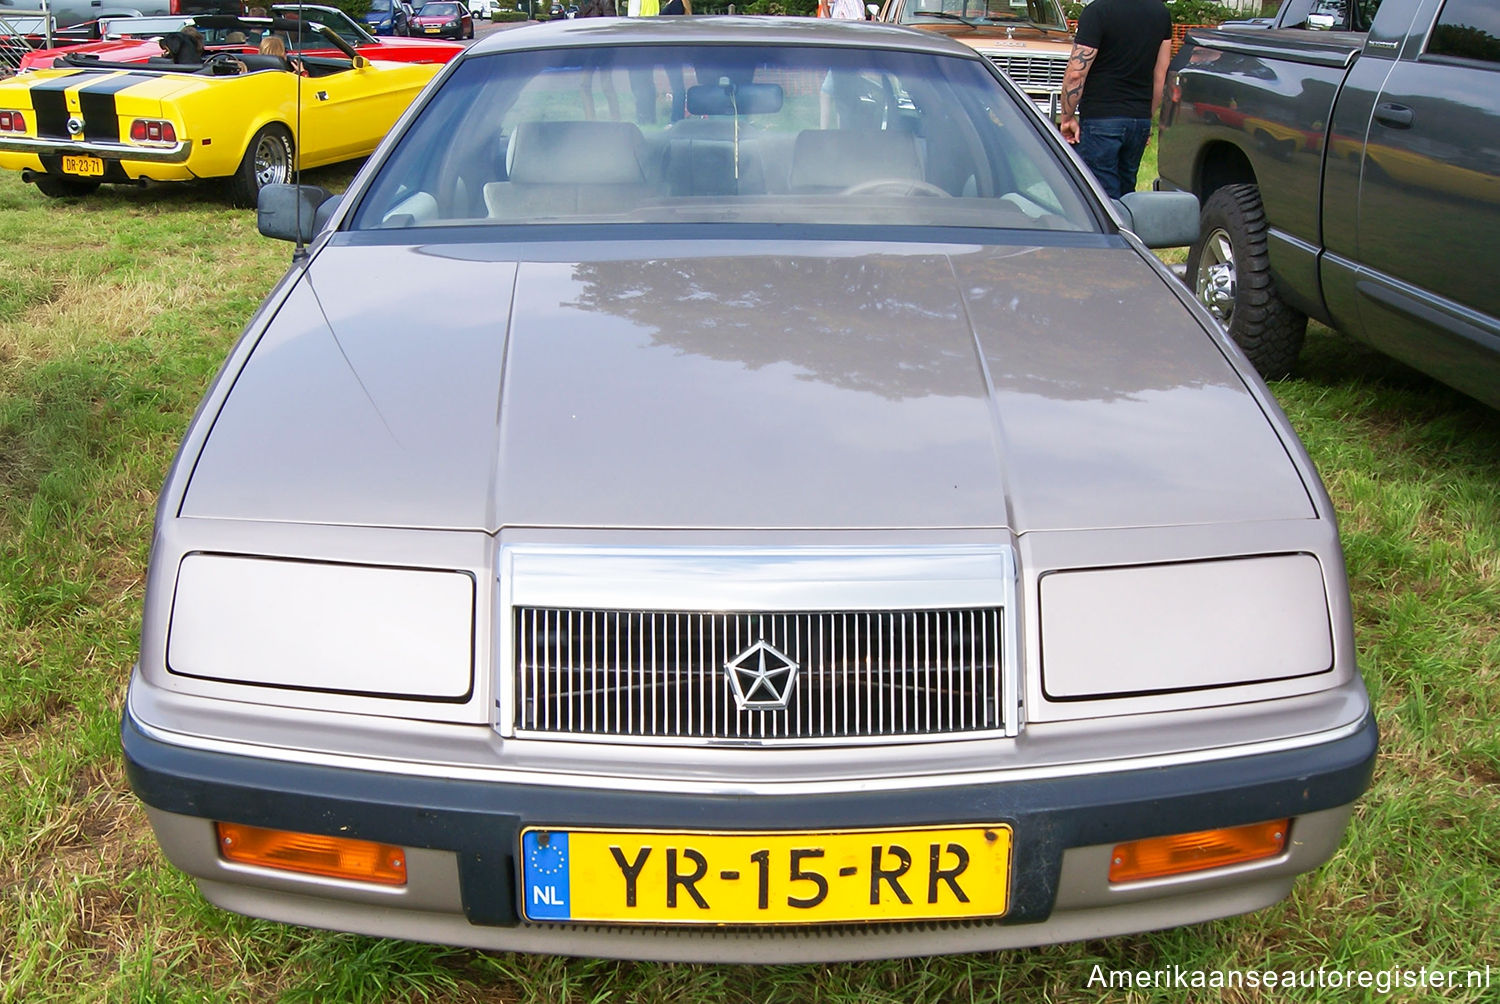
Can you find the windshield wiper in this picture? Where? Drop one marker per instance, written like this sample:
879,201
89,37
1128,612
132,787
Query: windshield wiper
1019,19
949,15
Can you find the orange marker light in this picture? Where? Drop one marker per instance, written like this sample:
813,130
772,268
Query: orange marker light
1191,852
335,857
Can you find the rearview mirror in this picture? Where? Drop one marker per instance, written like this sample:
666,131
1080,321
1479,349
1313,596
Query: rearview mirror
1161,219
734,99
293,212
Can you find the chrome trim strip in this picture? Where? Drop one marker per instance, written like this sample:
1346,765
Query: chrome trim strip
175,154
948,778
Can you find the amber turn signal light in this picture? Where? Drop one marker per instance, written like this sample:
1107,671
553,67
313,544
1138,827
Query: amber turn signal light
335,857
1157,857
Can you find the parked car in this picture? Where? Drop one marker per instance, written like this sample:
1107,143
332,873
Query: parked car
483,8
444,19
367,45
67,13
1029,40
133,40
232,116
777,563
1341,180
387,17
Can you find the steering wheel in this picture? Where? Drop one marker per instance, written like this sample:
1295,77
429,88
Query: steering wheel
224,64
897,186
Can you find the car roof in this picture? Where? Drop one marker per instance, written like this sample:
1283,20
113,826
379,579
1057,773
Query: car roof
710,30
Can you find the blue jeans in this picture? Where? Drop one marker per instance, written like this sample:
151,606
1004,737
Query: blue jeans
1112,148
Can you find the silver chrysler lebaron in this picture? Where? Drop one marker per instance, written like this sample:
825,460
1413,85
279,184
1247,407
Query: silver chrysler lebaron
735,489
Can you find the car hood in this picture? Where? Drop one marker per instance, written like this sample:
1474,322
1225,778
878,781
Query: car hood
800,386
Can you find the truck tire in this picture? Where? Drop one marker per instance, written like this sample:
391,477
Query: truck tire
267,161
1229,271
55,186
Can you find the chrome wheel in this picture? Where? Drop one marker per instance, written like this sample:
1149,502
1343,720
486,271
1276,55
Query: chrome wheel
1217,279
273,161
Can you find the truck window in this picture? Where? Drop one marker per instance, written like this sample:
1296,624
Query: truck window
1467,29
1351,15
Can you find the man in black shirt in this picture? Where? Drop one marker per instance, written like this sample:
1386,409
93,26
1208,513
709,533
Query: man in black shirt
1114,79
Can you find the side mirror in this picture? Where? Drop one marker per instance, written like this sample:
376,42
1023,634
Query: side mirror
293,212
1321,22
872,11
1161,219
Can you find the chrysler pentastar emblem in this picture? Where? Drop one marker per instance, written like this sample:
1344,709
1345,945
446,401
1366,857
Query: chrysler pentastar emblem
762,678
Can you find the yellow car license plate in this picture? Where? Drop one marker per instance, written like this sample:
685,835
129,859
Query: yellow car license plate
433,31
777,877
88,167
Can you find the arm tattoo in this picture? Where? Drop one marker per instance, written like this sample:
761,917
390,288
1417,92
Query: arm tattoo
1078,70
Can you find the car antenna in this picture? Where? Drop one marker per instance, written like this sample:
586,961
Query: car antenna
299,250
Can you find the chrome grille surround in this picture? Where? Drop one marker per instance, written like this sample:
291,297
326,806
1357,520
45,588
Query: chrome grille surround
614,665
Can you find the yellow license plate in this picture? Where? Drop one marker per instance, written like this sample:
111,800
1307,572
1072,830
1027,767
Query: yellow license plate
777,877
88,167
433,31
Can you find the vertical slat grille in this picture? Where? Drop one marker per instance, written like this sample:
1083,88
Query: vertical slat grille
661,674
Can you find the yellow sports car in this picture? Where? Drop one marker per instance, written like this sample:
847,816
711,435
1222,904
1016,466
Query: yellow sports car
233,116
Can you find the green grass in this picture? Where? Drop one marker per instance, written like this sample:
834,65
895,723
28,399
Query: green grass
114,315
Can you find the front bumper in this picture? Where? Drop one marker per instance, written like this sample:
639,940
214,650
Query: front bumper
461,839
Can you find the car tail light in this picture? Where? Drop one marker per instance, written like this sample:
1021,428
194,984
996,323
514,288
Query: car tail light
334,857
152,131
1159,857
12,122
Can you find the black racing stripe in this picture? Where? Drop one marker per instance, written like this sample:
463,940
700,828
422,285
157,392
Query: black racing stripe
96,103
50,102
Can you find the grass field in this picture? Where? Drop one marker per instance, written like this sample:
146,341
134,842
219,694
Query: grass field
115,313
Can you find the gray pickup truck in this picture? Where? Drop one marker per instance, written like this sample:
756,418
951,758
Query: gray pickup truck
1350,176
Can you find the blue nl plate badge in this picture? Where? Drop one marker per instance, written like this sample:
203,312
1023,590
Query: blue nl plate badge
545,875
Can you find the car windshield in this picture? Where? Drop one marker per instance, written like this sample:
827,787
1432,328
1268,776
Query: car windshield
724,134
439,10
1043,13
337,20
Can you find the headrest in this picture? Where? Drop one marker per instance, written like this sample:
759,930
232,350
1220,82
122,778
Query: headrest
262,61
837,158
575,153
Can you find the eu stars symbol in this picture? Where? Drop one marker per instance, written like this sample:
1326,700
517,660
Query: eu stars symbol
546,878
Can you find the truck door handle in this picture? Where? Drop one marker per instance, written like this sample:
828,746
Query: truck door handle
1394,115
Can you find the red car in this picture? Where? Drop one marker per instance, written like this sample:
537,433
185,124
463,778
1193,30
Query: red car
134,40
443,19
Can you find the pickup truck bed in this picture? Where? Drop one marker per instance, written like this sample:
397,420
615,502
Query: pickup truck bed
1352,177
